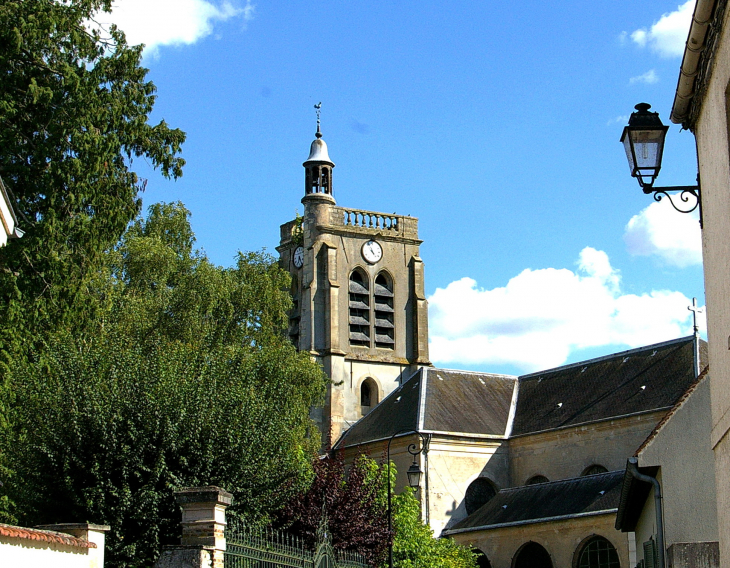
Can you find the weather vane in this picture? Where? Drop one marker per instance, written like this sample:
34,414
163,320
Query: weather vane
318,107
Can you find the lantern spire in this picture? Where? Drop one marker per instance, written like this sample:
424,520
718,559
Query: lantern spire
318,166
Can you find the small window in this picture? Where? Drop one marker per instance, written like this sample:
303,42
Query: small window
598,552
535,479
594,469
479,492
368,393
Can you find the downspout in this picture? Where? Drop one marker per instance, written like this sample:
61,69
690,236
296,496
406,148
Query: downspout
634,471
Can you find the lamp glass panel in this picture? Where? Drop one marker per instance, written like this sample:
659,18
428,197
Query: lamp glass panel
648,146
414,476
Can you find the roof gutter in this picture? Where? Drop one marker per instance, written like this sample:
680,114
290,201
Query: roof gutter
690,61
633,470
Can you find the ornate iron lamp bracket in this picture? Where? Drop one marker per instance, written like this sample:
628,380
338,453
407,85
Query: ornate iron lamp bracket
684,198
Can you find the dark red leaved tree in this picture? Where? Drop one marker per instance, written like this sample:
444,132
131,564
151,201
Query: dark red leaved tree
354,502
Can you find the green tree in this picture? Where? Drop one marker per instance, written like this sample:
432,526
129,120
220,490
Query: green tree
74,108
184,378
413,542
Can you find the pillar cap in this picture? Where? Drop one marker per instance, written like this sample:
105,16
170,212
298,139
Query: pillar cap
209,494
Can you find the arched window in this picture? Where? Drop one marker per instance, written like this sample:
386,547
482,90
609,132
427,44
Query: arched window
482,560
359,296
532,555
594,469
597,552
383,304
479,492
536,479
368,395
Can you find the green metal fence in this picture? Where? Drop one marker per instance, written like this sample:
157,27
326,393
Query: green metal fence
267,548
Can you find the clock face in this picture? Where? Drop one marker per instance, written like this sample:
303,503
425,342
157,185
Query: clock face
298,257
372,252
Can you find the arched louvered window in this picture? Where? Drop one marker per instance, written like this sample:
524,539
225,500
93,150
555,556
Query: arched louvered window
383,311
359,310
536,479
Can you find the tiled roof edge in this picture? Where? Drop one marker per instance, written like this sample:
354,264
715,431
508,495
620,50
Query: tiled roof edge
11,531
607,357
672,411
530,521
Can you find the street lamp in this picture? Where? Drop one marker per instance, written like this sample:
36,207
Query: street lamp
643,140
414,479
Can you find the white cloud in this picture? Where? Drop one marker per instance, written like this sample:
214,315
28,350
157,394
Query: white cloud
157,23
650,77
541,316
668,35
660,231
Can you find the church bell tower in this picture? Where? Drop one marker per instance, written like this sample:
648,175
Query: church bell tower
358,291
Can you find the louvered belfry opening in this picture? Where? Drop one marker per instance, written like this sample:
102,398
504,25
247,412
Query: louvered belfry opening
359,309
318,179
383,308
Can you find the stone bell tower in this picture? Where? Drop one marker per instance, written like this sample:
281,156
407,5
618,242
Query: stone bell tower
359,301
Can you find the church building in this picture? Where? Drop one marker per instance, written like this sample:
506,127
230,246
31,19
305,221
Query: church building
529,469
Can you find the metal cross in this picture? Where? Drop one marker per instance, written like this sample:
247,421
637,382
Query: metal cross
695,310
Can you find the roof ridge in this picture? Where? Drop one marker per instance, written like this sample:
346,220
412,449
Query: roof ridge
610,356
462,371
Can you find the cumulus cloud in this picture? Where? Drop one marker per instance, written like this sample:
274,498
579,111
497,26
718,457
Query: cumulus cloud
650,77
157,23
668,35
542,316
661,232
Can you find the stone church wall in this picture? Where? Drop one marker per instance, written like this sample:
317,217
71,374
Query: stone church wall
565,453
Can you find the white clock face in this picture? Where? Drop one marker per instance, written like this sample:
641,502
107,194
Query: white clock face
298,257
372,252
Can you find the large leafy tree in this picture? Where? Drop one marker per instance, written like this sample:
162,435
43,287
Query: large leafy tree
74,108
183,378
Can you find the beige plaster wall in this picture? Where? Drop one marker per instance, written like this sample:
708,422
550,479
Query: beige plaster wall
567,452
453,464
714,165
27,553
562,540
687,476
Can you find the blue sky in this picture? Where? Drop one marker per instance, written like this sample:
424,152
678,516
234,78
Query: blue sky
497,124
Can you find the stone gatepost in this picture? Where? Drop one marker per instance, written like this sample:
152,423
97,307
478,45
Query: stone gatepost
203,541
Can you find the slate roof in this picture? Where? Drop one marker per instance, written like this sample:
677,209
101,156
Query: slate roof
439,400
566,499
639,380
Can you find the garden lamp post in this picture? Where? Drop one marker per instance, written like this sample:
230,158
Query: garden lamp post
414,478
643,141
